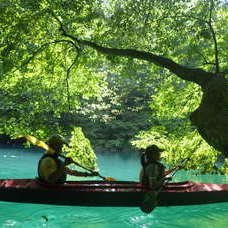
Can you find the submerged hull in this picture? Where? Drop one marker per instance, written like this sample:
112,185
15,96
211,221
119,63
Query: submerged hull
103,193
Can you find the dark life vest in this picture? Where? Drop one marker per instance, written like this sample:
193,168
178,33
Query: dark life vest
161,169
59,164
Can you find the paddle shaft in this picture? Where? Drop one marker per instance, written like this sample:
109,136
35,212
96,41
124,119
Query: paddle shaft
177,168
90,170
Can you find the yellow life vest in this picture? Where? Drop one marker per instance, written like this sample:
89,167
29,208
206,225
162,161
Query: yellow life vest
49,164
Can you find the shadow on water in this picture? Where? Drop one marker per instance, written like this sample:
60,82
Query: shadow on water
21,163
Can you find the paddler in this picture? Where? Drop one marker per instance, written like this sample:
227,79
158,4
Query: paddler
52,168
153,174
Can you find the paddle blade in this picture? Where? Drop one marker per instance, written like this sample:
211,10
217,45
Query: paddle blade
110,179
39,143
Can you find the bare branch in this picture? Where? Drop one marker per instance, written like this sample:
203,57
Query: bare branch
210,24
63,30
67,79
42,47
205,60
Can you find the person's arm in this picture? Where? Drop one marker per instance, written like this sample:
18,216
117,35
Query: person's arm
80,174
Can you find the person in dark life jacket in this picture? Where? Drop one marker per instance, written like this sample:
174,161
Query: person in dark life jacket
152,174
52,168
152,170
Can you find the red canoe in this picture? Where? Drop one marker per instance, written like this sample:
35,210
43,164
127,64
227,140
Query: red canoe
114,193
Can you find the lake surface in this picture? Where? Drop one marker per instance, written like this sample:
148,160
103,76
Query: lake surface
22,163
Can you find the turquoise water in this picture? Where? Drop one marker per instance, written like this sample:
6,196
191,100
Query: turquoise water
21,163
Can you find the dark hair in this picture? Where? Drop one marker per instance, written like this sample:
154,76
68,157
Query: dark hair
56,142
153,149
152,152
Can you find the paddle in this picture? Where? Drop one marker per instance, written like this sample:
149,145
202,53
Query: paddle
44,146
90,170
39,143
176,169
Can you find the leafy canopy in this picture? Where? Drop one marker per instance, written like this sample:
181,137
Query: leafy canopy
45,74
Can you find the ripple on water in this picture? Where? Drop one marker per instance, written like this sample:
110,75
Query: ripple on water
29,215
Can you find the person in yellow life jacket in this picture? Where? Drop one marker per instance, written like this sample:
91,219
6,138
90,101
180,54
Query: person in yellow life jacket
52,168
153,174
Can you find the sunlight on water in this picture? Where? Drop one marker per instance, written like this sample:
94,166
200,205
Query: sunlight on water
21,163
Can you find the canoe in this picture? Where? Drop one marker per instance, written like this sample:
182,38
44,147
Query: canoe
112,193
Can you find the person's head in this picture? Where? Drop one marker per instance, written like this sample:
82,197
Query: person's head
153,153
56,142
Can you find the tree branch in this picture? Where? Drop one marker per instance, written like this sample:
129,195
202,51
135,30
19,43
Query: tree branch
195,75
214,37
209,23
67,79
42,47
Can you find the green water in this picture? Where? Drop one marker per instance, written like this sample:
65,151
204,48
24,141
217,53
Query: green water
21,163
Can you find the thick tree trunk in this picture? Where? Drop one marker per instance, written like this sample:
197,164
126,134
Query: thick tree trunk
211,117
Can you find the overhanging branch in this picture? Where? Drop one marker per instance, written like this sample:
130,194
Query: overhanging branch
195,75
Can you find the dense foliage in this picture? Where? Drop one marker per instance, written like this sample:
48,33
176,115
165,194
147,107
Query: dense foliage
80,149
54,75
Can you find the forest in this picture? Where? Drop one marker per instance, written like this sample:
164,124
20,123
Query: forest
117,76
